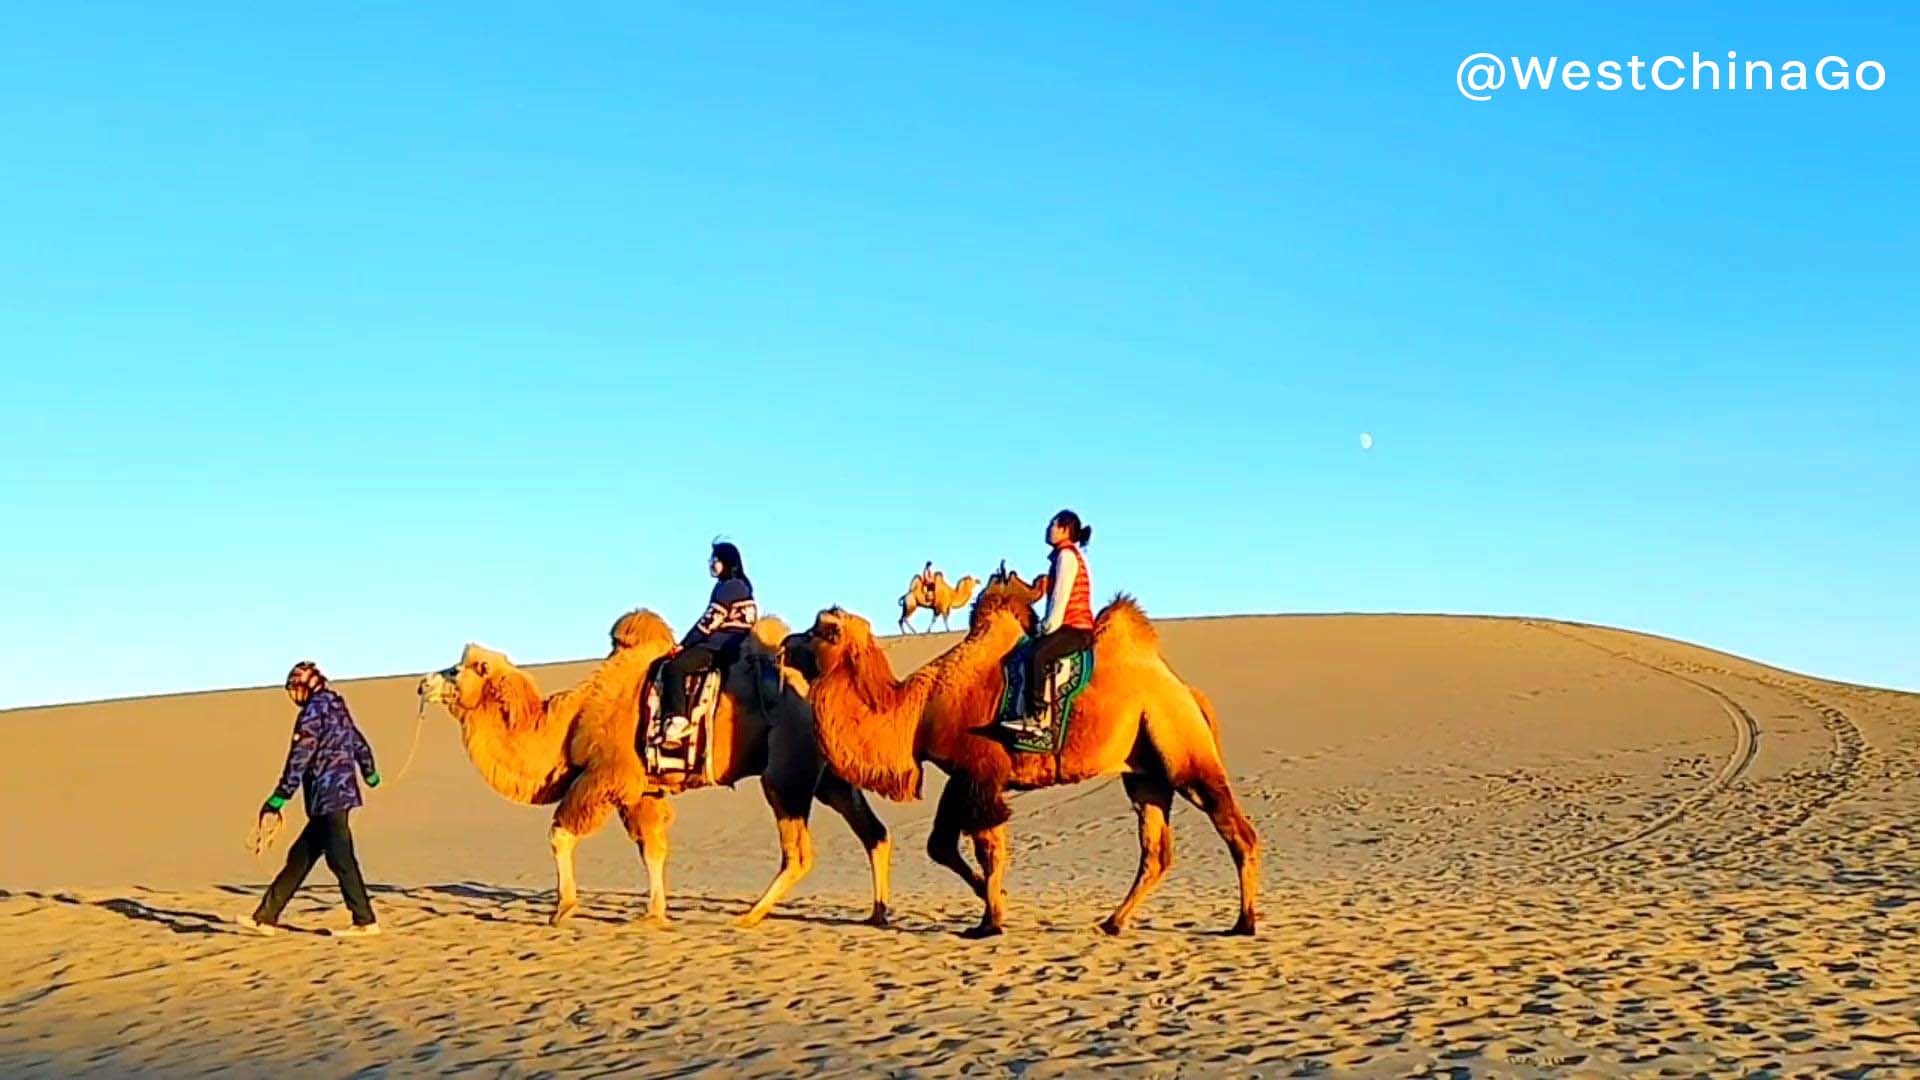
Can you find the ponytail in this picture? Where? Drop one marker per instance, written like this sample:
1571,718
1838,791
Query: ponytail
1082,535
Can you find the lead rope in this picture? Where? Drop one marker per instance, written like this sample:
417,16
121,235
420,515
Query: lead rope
419,723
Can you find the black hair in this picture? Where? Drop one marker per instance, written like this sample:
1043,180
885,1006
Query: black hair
728,557
1078,533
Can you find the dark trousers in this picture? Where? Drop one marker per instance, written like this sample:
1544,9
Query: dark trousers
1046,650
325,836
688,661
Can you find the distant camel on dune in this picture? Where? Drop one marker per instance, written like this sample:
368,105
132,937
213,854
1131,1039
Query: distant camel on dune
577,748
1136,718
944,601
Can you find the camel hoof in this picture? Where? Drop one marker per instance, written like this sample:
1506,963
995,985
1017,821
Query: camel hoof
1243,928
652,922
982,931
747,922
562,914
879,918
1109,927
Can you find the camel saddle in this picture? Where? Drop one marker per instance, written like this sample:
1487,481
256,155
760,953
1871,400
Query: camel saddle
689,757
1046,733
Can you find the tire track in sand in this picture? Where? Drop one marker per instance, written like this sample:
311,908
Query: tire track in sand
1746,744
1847,753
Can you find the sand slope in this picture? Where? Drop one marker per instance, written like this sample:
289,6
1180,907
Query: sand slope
1492,847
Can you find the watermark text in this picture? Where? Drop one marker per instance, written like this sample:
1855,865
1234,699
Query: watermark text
1483,75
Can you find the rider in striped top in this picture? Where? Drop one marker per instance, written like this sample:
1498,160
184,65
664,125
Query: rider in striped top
715,640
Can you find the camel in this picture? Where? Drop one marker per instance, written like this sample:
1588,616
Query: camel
577,748
1136,719
946,599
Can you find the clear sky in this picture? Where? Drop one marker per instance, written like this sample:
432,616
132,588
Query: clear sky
356,335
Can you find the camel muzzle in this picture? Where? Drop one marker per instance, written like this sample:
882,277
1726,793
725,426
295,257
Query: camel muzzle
796,652
436,688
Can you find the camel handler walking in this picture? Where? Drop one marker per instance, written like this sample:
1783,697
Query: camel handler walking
326,749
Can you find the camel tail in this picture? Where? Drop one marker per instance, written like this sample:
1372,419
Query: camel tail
1201,699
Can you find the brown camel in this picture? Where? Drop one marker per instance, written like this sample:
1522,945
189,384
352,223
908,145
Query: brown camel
1136,718
945,600
577,748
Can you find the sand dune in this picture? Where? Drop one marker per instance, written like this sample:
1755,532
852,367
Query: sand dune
1492,847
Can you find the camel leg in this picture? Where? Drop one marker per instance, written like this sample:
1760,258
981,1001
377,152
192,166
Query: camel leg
796,846
1152,797
850,803
581,812
943,842
647,820
567,900
994,848
1215,798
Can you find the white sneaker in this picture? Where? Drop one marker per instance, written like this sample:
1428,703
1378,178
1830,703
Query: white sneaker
371,929
247,922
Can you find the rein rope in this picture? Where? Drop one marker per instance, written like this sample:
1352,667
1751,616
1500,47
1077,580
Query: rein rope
419,723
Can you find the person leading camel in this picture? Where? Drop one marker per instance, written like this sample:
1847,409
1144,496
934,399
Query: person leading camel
1068,625
714,641
326,750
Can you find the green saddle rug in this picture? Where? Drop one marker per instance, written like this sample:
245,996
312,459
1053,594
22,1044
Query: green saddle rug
1046,733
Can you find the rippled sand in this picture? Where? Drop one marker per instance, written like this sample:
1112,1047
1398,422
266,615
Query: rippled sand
1492,847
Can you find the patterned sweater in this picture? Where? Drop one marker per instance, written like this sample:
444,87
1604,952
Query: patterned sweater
326,750
730,613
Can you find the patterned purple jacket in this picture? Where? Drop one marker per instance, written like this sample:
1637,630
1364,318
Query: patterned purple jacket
326,748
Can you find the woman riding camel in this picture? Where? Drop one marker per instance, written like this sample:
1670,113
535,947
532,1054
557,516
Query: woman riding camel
714,641
1068,626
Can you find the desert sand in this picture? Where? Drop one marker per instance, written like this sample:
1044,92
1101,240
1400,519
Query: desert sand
1492,847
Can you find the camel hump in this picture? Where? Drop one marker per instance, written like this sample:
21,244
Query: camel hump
767,635
641,627
1125,618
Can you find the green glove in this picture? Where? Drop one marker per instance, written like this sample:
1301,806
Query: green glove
373,779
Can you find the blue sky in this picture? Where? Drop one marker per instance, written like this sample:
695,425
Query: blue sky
355,335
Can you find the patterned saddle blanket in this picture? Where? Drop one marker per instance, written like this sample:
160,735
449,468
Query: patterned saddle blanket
686,752
1047,732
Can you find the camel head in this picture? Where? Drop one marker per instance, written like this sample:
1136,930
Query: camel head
462,687
796,652
964,590
836,636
